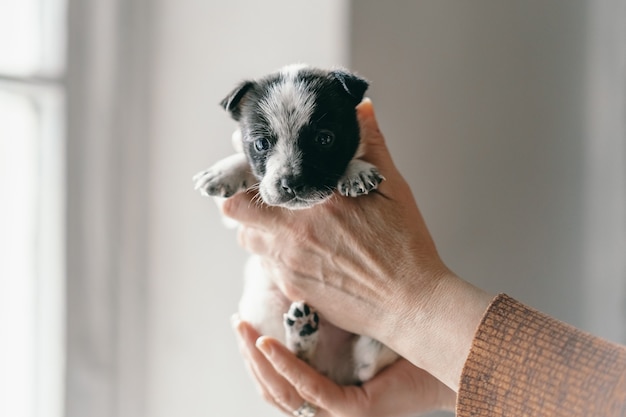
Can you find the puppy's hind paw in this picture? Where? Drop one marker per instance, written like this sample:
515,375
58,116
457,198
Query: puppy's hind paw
301,326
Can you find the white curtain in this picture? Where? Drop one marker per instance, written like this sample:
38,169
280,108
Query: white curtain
107,171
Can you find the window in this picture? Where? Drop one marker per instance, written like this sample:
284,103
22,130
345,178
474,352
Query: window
31,210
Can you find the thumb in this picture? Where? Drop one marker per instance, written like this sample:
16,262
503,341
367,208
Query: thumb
373,141
370,132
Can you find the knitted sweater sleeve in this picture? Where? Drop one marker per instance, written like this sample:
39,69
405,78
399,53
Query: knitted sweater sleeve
525,363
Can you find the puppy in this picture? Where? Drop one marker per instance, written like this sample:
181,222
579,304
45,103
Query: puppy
299,141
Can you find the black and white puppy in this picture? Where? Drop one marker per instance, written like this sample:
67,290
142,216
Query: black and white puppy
300,142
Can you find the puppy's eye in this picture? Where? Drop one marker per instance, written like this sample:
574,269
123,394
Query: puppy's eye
325,139
261,144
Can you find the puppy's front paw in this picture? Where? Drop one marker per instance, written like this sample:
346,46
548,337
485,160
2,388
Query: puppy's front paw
217,183
301,325
226,178
360,178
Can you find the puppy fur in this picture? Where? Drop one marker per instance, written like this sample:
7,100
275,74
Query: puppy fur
300,140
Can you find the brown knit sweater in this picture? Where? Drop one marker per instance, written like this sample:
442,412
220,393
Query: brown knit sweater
525,363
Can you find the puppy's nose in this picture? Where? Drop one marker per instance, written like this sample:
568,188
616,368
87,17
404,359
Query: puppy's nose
290,185
286,185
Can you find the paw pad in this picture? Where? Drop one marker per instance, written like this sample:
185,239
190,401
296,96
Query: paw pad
301,319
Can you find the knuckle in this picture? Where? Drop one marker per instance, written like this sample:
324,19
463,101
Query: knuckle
312,391
283,396
267,397
289,259
243,237
253,240
307,231
291,291
286,279
315,391
230,207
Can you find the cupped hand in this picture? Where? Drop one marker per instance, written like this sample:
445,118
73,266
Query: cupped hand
287,382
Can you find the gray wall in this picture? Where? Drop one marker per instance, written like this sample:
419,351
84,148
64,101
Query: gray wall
507,120
484,105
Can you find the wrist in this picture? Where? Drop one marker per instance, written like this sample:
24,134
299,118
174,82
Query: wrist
436,334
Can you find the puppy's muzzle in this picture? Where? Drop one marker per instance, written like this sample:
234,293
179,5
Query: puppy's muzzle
291,187
293,192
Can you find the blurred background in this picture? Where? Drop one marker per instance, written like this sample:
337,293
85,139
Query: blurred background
117,280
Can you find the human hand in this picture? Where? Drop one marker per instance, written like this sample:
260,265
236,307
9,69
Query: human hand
369,265
351,258
287,382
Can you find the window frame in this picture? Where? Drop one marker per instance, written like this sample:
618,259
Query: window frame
44,86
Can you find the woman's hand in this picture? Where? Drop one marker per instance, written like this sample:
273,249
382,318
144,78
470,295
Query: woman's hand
287,382
369,265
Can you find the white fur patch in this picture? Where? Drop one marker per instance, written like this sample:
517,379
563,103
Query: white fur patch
285,160
292,70
287,107
262,304
370,356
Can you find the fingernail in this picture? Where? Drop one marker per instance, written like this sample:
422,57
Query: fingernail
262,343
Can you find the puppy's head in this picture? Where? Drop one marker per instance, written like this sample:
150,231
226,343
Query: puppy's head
299,131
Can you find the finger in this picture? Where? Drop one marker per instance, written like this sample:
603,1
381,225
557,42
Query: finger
274,388
255,240
246,352
246,335
311,385
248,208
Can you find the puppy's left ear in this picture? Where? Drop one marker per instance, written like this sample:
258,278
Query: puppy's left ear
352,84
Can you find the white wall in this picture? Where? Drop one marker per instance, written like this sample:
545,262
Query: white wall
202,50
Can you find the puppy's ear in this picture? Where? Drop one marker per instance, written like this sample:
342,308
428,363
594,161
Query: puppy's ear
232,102
352,84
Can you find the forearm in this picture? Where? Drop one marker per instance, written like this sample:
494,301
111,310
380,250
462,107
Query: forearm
523,362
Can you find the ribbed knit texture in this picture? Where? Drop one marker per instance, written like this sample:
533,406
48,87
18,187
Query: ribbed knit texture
525,363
